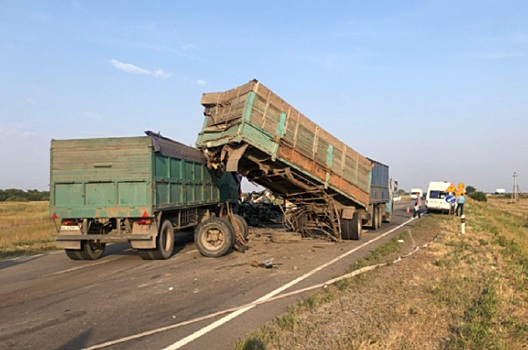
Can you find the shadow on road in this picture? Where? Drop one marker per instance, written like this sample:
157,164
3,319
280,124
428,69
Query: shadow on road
4,264
79,342
181,240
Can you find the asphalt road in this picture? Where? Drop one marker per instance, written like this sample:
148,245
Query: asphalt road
51,302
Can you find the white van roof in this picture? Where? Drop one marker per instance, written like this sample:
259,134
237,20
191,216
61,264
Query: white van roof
438,185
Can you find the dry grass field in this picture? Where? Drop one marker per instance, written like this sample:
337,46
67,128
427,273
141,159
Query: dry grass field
505,204
455,292
25,228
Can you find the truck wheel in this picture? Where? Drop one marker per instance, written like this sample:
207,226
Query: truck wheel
73,254
374,219
145,254
92,249
241,224
357,227
351,228
380,217
164,242
214,237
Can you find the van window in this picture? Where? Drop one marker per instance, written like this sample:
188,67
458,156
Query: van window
437,194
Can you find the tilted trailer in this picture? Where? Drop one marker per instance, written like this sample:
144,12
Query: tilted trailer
140,190
333,188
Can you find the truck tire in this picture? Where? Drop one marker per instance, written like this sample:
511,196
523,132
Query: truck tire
92,249
145,254
164,242
214,237
241,224
345,229
380,216
73,254
374,219
351,228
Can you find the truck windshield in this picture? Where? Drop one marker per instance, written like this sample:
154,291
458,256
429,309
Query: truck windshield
437,194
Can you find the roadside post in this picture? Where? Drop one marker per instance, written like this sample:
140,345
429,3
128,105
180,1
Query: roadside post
463,224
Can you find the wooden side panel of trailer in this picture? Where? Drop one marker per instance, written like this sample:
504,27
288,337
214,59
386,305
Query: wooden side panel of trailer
281,140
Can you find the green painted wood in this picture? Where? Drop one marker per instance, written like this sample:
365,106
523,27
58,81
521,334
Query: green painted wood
329,157
124,177
281,128
248,107
266,118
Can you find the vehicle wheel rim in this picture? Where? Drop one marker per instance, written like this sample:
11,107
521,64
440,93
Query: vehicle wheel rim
213,239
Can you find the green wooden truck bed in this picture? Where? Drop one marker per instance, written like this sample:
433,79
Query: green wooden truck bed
125,189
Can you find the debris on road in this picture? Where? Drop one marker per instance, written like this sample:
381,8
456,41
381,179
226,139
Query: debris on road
268,264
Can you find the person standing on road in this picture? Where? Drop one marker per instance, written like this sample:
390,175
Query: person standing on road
460,204
417,206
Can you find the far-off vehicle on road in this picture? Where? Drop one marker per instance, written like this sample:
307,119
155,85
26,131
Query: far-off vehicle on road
416,193
333,188
140,190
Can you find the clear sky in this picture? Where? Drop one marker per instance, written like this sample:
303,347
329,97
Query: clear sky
438,90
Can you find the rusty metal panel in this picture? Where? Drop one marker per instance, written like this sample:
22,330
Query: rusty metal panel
379,183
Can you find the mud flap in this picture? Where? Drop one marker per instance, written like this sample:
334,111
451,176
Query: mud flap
348,212
68,244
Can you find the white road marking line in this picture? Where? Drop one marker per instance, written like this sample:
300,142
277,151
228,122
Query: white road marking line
22,258
237,310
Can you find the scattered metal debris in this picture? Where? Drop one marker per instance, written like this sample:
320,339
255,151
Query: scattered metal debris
268,264
261,209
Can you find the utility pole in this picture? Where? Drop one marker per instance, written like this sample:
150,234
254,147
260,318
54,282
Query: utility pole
515,188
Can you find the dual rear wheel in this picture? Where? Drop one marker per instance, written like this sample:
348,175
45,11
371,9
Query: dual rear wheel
377,217
90,250
352,228
164,244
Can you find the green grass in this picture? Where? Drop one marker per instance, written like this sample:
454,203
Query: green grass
488,322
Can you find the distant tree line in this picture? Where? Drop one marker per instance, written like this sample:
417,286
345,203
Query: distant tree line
476,195
15,195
